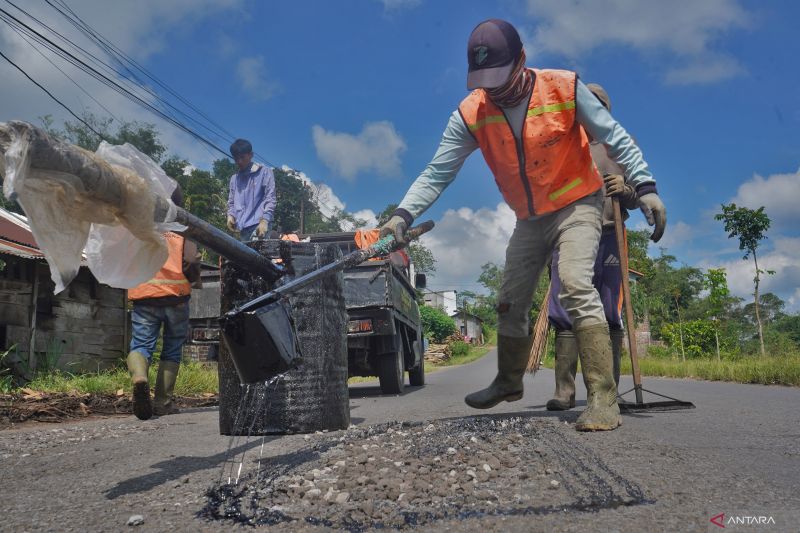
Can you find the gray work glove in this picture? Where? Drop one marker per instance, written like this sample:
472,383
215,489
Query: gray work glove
615,184
396,226
655,213
231,223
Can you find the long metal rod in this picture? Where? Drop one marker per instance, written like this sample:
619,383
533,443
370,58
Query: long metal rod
626,295
212,237
382,247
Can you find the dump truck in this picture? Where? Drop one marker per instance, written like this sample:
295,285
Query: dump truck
384,333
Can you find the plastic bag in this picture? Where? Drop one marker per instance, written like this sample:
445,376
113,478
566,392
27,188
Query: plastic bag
74,199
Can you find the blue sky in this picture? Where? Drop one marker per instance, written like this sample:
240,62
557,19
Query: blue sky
355,94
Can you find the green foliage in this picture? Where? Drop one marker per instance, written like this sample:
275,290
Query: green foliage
436,324
698,337
142,135
749,225
422,257
459,348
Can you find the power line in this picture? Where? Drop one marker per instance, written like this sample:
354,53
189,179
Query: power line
59,102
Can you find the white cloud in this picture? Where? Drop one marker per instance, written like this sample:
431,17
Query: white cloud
329,203
464,239
252,74
778,193
397,5
784,259
376,148
685,29
369,217
677,233
138,28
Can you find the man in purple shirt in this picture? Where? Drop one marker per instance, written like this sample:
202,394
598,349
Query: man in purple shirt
251,196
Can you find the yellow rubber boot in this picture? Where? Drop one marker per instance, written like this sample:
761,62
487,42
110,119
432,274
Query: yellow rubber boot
137,366
512,359
566,368
602,411
165,386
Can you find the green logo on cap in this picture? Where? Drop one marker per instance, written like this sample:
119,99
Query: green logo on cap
481,53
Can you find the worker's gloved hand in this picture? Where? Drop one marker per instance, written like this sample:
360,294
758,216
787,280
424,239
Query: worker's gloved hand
231,223
262,229
655,213
615,184
396,226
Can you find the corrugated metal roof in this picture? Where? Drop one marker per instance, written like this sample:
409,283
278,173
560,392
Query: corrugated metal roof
19,250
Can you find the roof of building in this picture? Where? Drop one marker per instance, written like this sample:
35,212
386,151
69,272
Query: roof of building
462,312
16,237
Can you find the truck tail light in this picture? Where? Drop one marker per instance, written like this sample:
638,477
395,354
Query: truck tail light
359,326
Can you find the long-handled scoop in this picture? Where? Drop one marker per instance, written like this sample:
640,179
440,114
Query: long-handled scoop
260,334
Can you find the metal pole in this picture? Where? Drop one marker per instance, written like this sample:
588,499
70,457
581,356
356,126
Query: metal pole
626,294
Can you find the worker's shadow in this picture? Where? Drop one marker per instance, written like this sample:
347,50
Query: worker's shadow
176,468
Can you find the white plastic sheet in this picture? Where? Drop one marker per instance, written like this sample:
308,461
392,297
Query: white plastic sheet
123,246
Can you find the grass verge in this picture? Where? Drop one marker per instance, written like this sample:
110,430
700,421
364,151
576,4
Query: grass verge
771,370
193,379
473,354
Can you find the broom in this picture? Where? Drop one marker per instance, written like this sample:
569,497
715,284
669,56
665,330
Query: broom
541,332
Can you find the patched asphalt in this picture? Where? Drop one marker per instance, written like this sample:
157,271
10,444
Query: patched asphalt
666,471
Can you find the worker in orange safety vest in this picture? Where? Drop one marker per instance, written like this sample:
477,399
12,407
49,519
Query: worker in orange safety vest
531,127
162,301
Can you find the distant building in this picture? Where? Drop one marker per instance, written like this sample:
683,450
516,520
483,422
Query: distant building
470,326
83,328
443,299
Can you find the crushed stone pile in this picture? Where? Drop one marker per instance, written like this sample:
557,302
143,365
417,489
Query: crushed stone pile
405,475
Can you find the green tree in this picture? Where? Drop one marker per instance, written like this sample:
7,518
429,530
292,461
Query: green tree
436,325
717,284
142,135
749,226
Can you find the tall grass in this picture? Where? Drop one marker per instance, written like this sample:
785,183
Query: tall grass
193,379
781,369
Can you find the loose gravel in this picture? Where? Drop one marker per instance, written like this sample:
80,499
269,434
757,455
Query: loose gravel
401,475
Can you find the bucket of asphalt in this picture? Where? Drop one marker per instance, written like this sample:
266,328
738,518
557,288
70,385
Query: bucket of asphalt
267,331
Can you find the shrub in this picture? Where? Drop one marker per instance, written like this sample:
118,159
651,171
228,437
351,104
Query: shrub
698,337
436,324
458,349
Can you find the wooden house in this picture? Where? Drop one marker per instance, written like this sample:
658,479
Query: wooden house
84,328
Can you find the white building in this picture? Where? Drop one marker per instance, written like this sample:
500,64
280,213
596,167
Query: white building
443,299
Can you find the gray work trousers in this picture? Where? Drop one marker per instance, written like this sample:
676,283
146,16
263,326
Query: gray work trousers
575,232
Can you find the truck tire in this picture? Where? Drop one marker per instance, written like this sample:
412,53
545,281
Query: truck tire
391,372
416,376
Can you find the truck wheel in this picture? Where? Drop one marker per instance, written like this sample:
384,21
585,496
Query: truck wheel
391,372
416,376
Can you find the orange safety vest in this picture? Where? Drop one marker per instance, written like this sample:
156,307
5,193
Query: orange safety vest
170,280
551,167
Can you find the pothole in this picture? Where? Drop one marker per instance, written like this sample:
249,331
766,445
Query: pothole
401,475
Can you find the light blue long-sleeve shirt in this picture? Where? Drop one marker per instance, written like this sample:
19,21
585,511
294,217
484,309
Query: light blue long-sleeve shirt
457,144
251,196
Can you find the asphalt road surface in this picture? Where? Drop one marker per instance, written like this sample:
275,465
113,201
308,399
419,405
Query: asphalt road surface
738,452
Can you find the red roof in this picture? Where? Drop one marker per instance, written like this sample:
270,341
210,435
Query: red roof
16,237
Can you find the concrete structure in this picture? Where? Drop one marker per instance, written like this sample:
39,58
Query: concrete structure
443,299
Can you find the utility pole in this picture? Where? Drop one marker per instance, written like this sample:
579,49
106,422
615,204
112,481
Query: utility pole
303,210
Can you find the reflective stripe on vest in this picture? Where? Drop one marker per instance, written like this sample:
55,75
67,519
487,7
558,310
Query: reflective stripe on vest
552,167
170,280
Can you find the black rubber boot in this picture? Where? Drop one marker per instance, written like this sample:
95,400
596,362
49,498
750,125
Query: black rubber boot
142,405
566,368
602,411
512,359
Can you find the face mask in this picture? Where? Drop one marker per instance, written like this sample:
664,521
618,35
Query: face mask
516,89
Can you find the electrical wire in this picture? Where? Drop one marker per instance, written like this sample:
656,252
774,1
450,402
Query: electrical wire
59,102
